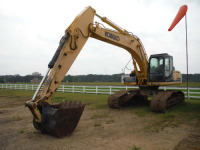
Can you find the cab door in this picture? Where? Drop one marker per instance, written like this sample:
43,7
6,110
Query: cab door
168,73
156,69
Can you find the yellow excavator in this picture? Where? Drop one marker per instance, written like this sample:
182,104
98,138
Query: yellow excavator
61,119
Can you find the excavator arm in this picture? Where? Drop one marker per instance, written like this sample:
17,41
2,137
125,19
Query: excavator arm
61,119
127,41
73,41
75,37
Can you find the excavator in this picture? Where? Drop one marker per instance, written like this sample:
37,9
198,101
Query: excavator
61,119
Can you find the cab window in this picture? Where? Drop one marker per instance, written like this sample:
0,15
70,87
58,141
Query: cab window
167,67
156,65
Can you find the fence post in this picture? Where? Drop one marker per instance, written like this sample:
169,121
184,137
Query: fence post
165,88
63,88
188,93
96,89
84,88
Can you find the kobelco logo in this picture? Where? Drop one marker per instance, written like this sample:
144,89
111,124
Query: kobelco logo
112,36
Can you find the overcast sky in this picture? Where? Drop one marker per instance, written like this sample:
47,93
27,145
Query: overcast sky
30,31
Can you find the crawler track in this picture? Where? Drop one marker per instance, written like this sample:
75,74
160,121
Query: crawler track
161,101
116,100
123,98
166,99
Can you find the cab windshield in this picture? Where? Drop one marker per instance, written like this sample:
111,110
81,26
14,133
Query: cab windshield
156,65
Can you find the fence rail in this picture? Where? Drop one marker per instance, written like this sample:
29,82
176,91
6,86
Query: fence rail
194,93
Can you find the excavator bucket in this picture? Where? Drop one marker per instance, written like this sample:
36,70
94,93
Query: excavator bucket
60,120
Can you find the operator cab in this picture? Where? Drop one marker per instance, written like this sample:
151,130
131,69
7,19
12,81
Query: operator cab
161,68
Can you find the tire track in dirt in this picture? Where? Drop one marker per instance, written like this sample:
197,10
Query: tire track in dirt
192,142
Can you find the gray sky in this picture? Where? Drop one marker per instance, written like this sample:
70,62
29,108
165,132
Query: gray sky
30,31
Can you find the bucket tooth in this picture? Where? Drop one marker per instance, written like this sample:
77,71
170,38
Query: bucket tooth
61,120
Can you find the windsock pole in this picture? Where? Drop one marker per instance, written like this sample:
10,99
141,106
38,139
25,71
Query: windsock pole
186,54
181,13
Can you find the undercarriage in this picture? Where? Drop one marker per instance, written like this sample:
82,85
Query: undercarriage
161,100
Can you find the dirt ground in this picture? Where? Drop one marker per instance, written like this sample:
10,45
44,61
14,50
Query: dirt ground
104,129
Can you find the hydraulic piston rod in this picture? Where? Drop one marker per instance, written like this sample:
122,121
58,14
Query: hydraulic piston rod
40,85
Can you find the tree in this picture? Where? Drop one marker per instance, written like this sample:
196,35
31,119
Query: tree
36,74
1,80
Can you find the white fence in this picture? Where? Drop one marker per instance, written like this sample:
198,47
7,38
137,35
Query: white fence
194,93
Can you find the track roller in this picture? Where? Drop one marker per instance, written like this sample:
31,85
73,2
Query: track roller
166,99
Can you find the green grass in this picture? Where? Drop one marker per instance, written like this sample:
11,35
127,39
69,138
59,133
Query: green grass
92,100
135,148
15,93
142,111
162,121
191,84
185,113
21,131
97,124
182,113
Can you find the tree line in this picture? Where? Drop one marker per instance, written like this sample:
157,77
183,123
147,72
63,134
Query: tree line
17,78
93,78
82,78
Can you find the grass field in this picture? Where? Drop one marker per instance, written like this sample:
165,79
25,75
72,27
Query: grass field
183,113
132,127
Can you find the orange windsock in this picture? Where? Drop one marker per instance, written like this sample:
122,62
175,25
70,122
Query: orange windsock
181,13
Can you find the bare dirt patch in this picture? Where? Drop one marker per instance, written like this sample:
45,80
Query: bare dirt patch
98,129
191,142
